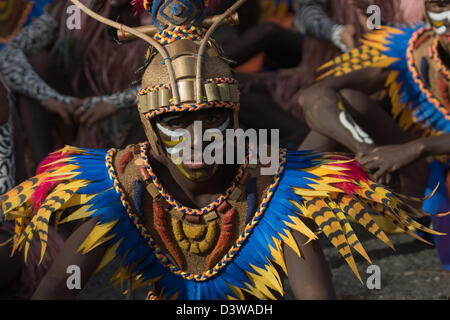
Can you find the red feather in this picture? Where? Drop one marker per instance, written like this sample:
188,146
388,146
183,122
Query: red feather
354,172
42,191
139,6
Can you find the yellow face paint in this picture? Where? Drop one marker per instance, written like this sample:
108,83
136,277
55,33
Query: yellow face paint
172,143
198,175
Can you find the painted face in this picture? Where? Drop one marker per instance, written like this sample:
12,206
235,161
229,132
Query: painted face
438,15
183,136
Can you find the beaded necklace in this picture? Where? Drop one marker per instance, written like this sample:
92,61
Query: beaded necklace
435,56
417,78
160,256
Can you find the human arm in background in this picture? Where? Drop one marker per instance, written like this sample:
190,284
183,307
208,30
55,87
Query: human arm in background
96,108
311,19
21,77
391,158
321,107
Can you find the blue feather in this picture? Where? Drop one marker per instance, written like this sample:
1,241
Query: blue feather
138,194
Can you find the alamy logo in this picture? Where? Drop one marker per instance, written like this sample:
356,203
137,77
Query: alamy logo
74,17
374,280
227,146
74,280
374,19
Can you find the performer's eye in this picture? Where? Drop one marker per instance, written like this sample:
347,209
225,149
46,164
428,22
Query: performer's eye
175,123
437,5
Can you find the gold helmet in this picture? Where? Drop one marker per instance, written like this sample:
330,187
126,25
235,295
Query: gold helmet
185,71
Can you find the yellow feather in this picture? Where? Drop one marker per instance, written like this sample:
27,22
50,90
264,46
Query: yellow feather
298,225
277,254
237,291
270,277
290,241
260,284
96,235
254,290
81,213
309,193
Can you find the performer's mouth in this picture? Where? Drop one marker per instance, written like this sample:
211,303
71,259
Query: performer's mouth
196,165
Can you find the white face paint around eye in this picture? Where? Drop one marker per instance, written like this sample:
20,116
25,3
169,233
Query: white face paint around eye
440,17
177,135
174,134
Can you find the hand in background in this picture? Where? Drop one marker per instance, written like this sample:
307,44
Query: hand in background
98,112
65,111
388,159
348,36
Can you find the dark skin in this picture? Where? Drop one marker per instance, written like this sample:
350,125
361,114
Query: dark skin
393,157
53,286
322,115
393,150
309,276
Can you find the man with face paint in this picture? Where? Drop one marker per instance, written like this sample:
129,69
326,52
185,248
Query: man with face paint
177,148
408,128
195,229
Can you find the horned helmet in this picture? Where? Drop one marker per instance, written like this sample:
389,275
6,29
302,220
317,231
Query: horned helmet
185,70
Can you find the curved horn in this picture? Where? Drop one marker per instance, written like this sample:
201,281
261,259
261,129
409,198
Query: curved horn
220,19
140,35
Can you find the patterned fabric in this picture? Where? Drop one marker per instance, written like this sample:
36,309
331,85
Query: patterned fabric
124,99
15,68
311,19
329,189
7,165
21,77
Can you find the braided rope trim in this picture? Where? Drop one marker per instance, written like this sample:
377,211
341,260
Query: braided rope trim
191,107
159,87
435,56
154,88
416,76
178,206
162,259
173,34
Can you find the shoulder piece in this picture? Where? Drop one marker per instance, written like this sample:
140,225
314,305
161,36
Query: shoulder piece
332,190
326,188
416,104
378,50
70,184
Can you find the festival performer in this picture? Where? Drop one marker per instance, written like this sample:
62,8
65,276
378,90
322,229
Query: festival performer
198,229
411,65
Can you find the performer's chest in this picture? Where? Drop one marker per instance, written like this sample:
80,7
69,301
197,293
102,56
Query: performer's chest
195,240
